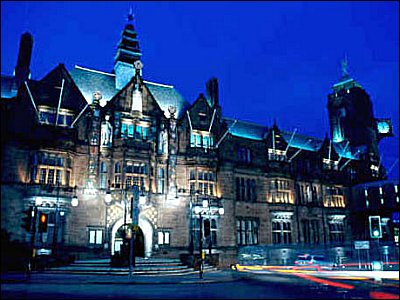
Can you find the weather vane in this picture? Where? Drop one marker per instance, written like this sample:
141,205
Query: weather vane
130,15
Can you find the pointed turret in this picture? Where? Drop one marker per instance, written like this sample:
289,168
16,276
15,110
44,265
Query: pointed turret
127,53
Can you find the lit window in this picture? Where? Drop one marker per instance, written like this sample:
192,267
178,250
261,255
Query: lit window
103,175
138,131
279,191
135,174
95,236
201,139
334,197
163,237
329,164
47,115
276,154
202,181
281,232
50,168
161,180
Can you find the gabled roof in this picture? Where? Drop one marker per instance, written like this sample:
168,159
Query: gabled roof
257,132
9,87
246,129
301,141
89,81
167,95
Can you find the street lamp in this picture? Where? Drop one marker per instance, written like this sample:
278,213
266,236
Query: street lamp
134,216
107,200
201,210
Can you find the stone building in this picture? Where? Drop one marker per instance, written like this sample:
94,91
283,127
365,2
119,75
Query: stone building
134,151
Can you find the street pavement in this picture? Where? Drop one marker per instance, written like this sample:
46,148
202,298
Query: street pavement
220,284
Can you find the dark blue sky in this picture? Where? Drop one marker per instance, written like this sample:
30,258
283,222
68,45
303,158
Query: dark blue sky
272,59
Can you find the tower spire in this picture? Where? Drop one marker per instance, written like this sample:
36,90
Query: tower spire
345,73
128,52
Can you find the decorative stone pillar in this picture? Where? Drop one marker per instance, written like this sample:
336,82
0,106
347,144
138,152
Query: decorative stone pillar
172,154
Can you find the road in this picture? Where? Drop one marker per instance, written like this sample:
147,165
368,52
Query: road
227,285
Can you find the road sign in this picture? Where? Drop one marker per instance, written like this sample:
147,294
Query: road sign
361,244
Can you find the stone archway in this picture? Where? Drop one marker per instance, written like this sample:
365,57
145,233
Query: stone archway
146,228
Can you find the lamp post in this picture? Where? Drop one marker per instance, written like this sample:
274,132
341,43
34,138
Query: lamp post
135,220
200,210
107,200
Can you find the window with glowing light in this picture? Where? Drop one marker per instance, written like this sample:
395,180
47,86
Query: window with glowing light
139,131
51,168
201,139
276,155
281,231
47,115
336,231
135,174
280,192
117,174
103,175
334,197
329,164
95,236
163,237
202,180
161,180
210,230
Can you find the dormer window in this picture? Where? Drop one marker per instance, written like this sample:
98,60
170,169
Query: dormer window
374,170
129,129
276,154
47,115
201,139
329,164
244,154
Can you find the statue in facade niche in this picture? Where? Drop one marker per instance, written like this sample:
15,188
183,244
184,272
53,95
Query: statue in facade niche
163,140
106,132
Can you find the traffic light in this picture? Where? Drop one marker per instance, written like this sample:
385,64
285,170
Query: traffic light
375,230
42,222
27,219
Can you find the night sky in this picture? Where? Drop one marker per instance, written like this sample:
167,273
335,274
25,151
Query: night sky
272,59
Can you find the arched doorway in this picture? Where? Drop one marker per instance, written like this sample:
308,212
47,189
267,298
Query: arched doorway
145,237
121,244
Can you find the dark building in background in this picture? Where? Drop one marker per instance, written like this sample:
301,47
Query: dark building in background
94,136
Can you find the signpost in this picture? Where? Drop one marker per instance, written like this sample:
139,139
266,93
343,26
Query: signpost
361,245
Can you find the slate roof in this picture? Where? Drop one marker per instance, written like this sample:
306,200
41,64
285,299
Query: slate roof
246,129
9,87
257,132
89,81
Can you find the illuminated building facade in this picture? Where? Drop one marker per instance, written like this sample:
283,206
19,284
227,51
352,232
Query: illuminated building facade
95,135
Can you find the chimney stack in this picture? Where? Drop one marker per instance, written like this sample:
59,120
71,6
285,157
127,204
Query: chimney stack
22,70
212,91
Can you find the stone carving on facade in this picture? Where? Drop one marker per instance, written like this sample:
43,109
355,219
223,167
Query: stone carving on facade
163,140
106,132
